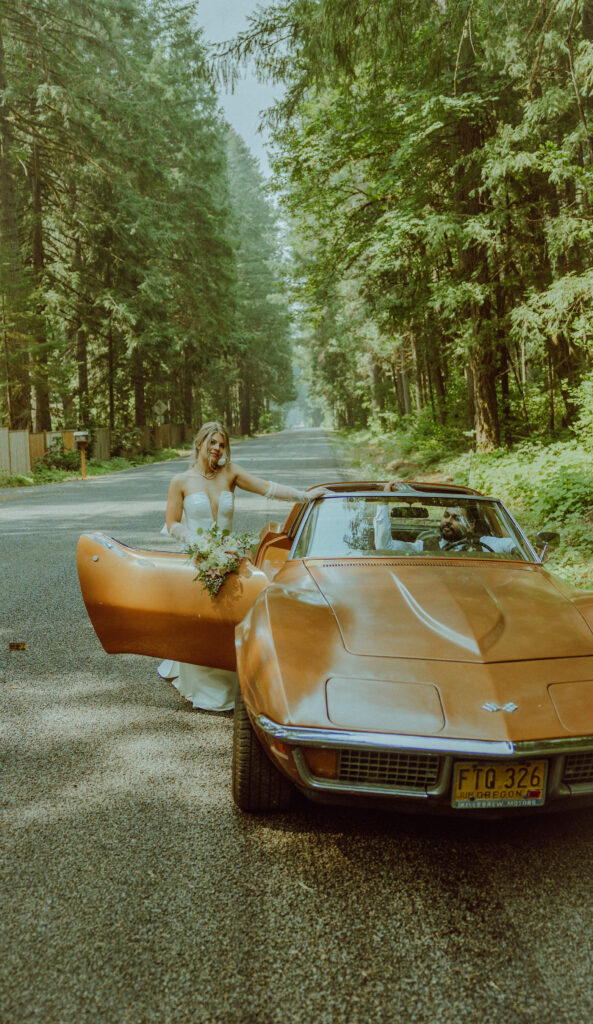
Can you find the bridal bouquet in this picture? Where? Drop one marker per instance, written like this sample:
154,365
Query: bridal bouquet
217,553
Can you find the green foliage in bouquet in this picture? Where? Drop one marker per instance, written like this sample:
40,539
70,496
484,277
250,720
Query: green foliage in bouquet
217,553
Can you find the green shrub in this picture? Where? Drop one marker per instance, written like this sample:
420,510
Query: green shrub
15,480
44,475
126,442
546,486
273,419
583,425
57,457
571,491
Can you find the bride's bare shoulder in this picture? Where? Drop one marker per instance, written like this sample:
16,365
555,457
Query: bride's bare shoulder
180,480
233,472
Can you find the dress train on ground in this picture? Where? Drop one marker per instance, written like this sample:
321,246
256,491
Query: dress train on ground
211,689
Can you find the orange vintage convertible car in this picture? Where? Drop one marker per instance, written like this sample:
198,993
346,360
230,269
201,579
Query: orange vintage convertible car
383,655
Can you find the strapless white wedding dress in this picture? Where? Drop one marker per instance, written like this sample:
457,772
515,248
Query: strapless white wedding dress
212,689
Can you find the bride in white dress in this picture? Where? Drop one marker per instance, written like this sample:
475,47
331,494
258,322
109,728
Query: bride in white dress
203,495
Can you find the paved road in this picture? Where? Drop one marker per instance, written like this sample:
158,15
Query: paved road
134,892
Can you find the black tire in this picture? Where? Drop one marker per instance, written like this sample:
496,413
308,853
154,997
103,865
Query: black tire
257,785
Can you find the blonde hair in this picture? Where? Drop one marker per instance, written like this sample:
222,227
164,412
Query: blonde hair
205,433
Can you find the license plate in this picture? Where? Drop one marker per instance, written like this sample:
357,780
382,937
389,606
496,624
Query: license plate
517,784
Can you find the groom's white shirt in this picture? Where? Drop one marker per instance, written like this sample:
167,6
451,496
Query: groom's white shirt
385,542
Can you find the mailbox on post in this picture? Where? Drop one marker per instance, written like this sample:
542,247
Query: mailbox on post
81,440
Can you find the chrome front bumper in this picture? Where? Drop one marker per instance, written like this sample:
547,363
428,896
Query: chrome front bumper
570,774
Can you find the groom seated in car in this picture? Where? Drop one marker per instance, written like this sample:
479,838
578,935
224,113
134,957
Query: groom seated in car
456,533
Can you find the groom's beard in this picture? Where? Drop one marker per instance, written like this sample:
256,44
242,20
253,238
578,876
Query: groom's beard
450,532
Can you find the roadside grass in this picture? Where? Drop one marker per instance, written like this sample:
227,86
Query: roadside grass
545,486
44,474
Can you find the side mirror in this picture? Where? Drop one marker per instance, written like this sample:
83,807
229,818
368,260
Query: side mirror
547,538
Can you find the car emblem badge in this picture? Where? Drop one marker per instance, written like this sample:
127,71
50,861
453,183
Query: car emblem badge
491,706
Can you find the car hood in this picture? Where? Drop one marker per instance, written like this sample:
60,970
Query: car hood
450,611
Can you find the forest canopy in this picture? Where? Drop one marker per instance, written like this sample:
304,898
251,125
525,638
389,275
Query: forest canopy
139,256
435,159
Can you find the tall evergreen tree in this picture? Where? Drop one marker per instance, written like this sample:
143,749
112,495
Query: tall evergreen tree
115,209
260,343
437,156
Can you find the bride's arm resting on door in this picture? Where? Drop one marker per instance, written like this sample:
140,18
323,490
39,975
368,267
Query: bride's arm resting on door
270,489
235,477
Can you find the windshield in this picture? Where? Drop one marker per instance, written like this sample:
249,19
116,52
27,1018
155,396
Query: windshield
443,526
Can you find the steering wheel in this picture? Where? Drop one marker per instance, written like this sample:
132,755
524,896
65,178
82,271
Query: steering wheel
428,533
468,544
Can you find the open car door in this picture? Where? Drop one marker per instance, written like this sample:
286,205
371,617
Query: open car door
146,602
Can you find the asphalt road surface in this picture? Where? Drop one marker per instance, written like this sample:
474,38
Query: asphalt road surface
134,891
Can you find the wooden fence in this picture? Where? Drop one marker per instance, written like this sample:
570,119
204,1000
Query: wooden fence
101,446
171,435
19,449
14,451
37,447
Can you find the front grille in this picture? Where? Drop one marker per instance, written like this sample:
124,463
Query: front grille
578,768
386,768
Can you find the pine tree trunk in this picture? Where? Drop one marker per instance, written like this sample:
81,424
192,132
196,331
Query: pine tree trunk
81,348
473,264
428,375
436,373
551,407
110,355
471,400
138,377
83,374
42,409
563,360
405,382
397,387
111,375
374,384
505,404
418,388
68,409
228,410
12,277
245,406
188,411
486,407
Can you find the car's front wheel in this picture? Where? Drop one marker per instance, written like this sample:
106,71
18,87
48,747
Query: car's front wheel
257,784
